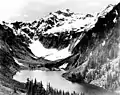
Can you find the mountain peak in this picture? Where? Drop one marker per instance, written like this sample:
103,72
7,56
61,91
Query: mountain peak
88,44
59,29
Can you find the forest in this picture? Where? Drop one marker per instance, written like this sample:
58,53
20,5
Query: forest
37,88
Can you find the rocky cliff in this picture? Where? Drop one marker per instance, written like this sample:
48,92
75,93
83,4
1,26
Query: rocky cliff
97,60
90,42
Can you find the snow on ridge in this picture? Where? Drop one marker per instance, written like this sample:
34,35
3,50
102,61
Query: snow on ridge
81,22
77,24
106,10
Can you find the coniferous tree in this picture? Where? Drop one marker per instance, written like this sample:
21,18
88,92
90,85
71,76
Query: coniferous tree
29,88
37,88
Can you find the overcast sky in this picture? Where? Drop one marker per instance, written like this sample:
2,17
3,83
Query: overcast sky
27,10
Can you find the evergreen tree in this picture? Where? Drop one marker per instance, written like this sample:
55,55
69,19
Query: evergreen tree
37,88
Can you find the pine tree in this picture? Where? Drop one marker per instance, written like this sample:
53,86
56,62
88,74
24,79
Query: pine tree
38,89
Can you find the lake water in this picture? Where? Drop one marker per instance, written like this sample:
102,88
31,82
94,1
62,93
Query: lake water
57,81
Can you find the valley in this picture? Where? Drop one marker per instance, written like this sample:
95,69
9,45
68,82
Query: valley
79,51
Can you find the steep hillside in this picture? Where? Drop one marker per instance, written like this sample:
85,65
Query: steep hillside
55,32
7,63
97,60
8,66
89,44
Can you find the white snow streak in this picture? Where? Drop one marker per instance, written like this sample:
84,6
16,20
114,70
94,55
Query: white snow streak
18,62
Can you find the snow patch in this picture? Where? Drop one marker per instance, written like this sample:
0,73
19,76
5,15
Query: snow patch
103,43
38,49
18,62
59,54
90,53
63,66
51,54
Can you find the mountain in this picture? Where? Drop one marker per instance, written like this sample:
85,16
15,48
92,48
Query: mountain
88,43
54,32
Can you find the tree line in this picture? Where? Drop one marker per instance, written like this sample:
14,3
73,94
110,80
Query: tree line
36,88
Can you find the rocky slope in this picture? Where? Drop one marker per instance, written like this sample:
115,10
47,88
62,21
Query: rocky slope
97,61
89,44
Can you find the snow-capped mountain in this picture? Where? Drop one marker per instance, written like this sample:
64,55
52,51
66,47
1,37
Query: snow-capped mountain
52,34
88,44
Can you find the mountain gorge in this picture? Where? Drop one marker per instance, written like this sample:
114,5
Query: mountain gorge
89,44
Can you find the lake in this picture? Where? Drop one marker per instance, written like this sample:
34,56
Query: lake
57,81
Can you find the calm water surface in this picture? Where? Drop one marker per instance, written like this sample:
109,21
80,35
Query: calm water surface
57,81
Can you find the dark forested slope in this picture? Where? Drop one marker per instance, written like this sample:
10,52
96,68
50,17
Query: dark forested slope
92,41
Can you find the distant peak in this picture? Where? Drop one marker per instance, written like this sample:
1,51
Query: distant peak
65,12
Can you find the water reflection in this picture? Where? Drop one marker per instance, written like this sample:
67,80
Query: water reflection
56,81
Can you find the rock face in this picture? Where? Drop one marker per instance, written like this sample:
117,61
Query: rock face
8,67
92,40
98,52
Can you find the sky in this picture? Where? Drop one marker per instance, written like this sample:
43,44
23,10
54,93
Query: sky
30,10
